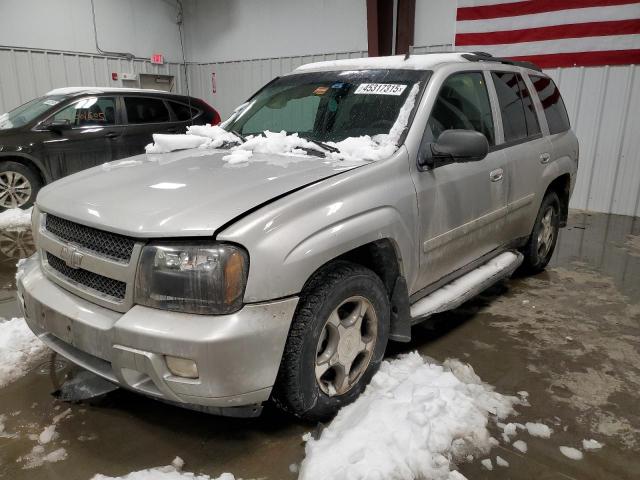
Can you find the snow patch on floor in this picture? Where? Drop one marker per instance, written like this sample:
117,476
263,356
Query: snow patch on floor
414,420
15,218
37,457
572,453
170,472
501,462
20,350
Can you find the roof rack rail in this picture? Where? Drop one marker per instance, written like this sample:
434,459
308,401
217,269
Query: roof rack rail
487,57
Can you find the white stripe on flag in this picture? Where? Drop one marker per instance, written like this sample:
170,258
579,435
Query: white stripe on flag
561,17
565,45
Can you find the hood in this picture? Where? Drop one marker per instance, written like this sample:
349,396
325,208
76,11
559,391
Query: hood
184,193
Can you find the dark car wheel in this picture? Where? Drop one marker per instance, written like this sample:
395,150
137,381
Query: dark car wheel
542,241
336,342
19,185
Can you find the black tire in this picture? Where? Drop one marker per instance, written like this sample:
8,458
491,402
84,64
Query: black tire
536,253
29,175
297,390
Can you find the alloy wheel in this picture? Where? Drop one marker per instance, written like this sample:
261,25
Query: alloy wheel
546,233
346,345
15,189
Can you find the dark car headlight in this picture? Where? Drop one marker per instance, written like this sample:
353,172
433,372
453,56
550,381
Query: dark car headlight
195,277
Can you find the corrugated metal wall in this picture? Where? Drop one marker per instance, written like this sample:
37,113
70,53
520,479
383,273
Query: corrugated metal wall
25,73
604,107
603,104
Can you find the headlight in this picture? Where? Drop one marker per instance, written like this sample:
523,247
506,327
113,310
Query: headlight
205,278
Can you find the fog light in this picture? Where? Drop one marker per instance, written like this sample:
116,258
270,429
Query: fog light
182,367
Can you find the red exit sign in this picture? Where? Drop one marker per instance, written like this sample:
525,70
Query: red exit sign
157,59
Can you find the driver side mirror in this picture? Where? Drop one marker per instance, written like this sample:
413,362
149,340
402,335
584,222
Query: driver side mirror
58,126
455,146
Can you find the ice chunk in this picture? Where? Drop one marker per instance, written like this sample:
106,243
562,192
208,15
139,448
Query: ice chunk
37,457
591,444
520,445
168,143
538,430
49,433
501,461
486,463
572,453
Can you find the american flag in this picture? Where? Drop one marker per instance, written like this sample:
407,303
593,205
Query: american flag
552,33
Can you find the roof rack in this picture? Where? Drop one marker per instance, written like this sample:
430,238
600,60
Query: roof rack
487,57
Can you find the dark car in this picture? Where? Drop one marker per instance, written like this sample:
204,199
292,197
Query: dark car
70,129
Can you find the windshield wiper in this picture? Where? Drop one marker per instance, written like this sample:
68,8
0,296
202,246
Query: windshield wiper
326,146
239,135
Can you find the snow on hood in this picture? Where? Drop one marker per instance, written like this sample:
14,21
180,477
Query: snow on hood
414,420
352,149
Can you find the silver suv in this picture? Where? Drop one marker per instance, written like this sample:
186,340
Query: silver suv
219,284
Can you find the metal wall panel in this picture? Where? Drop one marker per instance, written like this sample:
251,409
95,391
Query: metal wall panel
602,103
236,81
25,74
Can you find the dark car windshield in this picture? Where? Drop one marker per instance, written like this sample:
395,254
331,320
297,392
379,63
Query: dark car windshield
328,106
24,114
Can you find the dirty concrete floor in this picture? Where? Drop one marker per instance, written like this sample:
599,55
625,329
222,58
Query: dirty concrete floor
569,336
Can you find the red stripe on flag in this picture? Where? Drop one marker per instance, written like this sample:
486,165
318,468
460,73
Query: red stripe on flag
577,30
584,59
500,10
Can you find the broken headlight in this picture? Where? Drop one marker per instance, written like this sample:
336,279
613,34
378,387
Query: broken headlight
204,278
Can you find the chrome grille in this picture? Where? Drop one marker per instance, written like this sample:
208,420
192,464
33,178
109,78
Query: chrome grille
111,245
105,285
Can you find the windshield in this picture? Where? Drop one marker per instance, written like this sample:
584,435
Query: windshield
24,114
328,106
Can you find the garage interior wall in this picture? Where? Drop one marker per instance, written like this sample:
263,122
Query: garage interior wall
247,43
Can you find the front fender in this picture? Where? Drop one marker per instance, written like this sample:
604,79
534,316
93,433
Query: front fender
289,239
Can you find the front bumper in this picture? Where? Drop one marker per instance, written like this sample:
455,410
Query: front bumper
237,355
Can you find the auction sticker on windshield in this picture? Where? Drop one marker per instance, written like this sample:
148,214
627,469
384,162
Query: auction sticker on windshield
380,89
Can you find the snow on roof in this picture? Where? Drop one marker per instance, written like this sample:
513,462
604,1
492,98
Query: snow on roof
414,62
76,90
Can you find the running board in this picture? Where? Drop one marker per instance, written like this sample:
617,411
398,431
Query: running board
454,294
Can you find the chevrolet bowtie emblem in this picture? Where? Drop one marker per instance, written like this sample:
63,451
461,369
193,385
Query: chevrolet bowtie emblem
71,256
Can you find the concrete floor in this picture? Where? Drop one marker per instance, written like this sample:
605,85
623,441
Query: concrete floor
569,336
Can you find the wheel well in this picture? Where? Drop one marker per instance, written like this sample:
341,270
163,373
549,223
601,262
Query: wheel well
28,163
379,256
562,186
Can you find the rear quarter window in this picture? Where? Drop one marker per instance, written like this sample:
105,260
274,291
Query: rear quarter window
183,112
551,100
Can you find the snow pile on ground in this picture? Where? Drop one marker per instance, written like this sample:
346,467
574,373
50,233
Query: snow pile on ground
37,457
350,149
414,420
15,218
170,472
20,349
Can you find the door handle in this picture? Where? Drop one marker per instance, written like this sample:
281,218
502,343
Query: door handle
111,135
496,175
544,158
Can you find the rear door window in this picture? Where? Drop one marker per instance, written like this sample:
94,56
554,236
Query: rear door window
146,110
183,112
462,103
514,122
551,100
88,112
